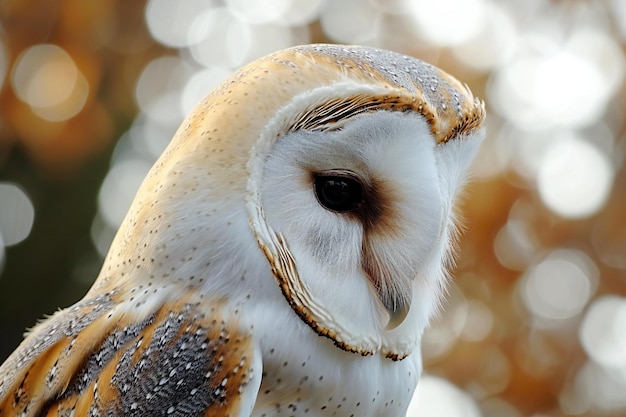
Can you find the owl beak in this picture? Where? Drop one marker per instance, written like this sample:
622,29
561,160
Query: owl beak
398,310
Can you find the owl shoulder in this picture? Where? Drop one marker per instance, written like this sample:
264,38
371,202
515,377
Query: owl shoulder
182,359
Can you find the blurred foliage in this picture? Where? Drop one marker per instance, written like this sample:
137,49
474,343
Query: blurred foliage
60,165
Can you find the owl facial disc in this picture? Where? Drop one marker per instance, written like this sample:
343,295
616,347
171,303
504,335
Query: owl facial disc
367,279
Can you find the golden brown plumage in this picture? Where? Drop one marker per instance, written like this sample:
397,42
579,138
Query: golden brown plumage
183,359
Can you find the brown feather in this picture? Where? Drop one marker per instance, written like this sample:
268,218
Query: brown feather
183,358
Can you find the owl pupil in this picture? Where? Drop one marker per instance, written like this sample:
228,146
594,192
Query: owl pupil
338,193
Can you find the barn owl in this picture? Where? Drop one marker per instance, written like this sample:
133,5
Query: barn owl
282,257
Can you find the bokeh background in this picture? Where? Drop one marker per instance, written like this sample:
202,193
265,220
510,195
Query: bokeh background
535,323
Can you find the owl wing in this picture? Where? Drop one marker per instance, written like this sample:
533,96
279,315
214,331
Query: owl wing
184,359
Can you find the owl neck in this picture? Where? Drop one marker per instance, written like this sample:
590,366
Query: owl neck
210,249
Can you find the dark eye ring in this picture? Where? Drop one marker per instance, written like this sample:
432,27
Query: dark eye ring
338,192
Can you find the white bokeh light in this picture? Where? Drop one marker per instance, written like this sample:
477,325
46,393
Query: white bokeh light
46,78
169,21
493,45
567,89
515,245
599,390
102,234
150,137
302,12
448,22
574,178
259,11
282,12
349,21
473,320
440,337
265,39
33,71
17,214
436,396
159,88
559,286
200,84
603,331
220,38
551,82
618,9
119,188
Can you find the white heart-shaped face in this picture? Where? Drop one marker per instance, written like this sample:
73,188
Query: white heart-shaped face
351,188
355,219
357,266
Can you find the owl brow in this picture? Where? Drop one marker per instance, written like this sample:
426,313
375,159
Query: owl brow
332,114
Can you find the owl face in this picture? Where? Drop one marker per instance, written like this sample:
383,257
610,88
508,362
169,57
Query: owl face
360,214
351,194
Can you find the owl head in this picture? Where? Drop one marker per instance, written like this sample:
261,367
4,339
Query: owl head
325,171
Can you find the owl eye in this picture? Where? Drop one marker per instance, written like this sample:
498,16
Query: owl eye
339,193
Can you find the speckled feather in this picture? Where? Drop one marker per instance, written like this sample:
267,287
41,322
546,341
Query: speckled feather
201,306
184,359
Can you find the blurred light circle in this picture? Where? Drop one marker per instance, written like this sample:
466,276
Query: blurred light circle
301,12
600,389
102,234
44,75
259,11
221,39
494,373
559,286
574,178
166,108
119,188
200,84
554,83
571,401
159,88
150,137
449,22
497,407
603,331
509,90
494,155
47,79
514,245
440,337
473,321
604,53
265,39
17,214
68,108
493,45
568,88
349,21
528,147
169,21
618,11
391,6
436,396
